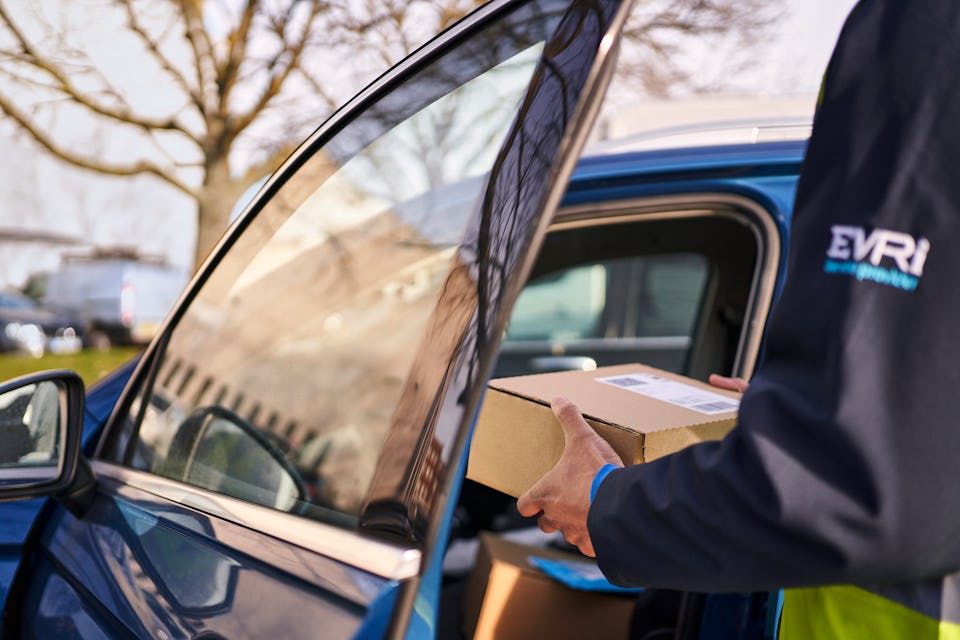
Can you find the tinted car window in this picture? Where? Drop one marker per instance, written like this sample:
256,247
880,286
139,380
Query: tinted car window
627,309
645,296
278,384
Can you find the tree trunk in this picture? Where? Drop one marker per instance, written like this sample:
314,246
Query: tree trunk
216,200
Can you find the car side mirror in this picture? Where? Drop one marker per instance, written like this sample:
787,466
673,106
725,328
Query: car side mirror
40,431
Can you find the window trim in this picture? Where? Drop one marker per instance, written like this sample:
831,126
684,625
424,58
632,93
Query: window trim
378,557
742,209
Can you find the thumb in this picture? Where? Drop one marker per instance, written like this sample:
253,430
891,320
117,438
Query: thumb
574,426
579,438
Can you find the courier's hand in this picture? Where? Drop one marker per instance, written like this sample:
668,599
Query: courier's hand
732,384
562,495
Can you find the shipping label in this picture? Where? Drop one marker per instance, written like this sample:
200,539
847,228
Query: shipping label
673,392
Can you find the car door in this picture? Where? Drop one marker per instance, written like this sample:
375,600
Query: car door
282,460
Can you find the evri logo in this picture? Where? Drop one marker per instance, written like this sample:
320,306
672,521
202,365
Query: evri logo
883,256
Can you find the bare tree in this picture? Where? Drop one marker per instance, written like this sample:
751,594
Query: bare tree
242,82
210,95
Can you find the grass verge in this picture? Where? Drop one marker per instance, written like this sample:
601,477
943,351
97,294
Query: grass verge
90,364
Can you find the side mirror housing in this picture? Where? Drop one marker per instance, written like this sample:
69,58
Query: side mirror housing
41,422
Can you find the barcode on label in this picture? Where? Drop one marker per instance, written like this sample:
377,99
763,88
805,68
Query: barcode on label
713,407
625,381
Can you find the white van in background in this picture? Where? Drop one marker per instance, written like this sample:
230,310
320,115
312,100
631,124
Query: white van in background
120,296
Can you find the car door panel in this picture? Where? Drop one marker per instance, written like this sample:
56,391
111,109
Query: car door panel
14,527
142,565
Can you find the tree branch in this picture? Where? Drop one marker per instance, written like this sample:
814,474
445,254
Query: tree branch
153,46
269,164
64,85
278,77
47,142
202,49
236,53
318,89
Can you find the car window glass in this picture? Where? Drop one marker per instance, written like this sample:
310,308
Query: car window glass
566,305
606,312
662,293
278,383
670,289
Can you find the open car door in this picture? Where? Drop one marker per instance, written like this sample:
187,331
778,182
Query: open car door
284,461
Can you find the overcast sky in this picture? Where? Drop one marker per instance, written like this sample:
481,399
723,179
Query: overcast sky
40,194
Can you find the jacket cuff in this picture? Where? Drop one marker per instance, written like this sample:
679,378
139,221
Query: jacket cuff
602,473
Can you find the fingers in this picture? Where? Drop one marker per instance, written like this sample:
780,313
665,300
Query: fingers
580,538
529,504
733,384
576,536
547,525
585,546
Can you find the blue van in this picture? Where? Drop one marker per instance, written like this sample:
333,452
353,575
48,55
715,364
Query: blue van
287,457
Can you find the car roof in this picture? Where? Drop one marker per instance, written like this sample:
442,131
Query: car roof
687,159
694,146
708,133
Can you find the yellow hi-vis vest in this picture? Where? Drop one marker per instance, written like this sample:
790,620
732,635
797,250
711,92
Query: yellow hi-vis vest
851,613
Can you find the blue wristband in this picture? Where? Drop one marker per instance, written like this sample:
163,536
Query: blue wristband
598,479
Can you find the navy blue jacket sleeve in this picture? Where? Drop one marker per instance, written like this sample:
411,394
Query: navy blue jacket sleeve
843,467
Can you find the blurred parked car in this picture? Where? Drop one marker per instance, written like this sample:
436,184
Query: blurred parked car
285,458
26,327
119,296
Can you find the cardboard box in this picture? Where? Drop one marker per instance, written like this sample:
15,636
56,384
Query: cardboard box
644,413
508,598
